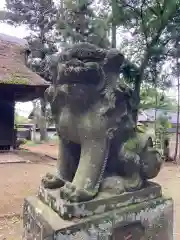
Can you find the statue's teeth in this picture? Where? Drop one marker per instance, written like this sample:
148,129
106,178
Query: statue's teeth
71,69
77,69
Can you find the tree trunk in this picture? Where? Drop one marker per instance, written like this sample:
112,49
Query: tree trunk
177,124
34,131
113,36
140,76
138,81
137,89
155,117
113,30
34,122
42,121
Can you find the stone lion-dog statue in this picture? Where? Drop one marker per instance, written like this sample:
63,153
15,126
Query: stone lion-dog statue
98,138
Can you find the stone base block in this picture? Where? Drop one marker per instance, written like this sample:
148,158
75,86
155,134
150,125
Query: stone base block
104,202
141,221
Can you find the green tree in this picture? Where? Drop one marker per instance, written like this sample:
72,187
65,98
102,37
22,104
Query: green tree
20,119
147,24
38,15
177,74
162,125
155,98
78,22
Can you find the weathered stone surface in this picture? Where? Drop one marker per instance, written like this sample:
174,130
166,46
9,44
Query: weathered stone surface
94,117
141,221
105,201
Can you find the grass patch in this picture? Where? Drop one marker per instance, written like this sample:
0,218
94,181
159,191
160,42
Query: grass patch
32,143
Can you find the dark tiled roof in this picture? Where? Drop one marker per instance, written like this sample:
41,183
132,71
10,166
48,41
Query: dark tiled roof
12,39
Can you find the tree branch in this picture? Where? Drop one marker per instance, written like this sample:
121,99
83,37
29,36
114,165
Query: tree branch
143,23
131,7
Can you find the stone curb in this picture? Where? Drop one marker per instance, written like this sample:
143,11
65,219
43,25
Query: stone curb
38,154
10,162
10,215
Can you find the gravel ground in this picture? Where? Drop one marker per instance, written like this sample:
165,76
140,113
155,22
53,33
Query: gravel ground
9,158
50,149
10,228
17,180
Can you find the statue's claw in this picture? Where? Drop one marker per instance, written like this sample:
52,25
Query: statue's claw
52,182
71,193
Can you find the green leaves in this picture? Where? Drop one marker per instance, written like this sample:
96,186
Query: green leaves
152,98
149,17
78,22
36,14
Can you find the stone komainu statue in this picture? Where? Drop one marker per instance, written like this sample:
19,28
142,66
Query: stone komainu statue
98,139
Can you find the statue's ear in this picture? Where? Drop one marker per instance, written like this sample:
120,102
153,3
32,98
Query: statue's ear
113,60
129,70
49,94
50,67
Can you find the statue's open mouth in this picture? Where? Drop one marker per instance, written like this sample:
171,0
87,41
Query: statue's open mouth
76,71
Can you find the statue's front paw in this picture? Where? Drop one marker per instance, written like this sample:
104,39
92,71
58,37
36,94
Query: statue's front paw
71,193
52,182
133,183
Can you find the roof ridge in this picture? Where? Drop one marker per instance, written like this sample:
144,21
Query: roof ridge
13,39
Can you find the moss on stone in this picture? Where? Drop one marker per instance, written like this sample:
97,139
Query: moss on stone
141,129
15,79
131,145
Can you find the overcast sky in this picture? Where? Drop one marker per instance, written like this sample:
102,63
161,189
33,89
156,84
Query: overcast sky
8,29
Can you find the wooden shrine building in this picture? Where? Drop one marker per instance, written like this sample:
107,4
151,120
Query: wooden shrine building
17,83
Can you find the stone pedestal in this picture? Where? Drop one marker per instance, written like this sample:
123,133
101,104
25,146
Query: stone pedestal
151,219
105,201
